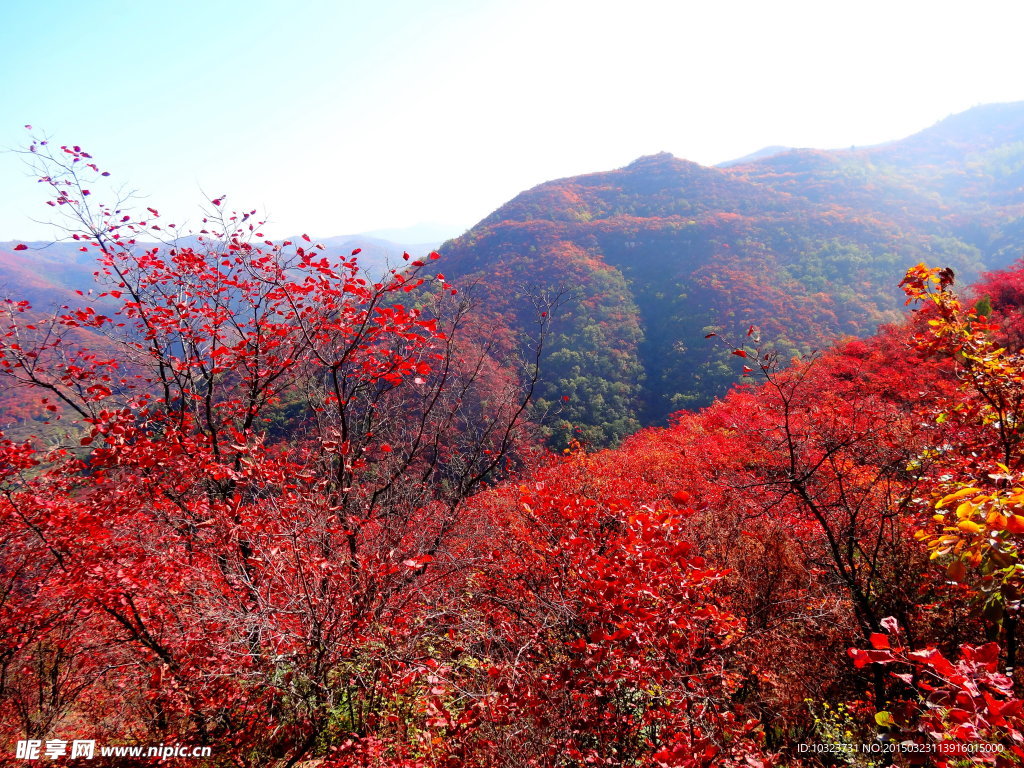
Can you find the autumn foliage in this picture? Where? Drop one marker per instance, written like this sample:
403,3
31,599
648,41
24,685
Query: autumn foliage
300,514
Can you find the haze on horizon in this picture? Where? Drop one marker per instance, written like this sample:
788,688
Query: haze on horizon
344,117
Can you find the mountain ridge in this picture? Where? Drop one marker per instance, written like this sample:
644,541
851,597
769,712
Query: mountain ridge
807,244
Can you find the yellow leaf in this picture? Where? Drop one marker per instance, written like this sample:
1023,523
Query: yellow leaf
957,495
969,526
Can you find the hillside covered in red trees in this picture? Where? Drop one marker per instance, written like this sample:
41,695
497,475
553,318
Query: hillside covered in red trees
303,516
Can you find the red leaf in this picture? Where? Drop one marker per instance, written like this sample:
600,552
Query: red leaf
739,353
862,658
21,247
879,641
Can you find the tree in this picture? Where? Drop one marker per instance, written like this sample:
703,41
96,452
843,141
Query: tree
973,519
258,469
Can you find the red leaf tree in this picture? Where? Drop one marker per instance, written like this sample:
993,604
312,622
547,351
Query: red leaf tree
245,502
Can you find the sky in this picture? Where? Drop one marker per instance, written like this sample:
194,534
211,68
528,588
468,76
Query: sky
337,117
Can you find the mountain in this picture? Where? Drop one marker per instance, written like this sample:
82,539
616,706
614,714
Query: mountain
377,252
425,232
807,245
760,154
47,274
648,260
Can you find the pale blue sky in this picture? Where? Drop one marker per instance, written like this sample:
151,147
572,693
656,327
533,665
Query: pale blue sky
338,117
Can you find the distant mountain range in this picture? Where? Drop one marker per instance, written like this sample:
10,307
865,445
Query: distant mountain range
416,233
808,245
49,273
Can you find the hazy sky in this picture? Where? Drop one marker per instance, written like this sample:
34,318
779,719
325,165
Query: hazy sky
337,117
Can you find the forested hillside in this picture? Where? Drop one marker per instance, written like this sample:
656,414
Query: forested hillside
807,244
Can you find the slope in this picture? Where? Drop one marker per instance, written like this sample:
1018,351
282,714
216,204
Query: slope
809,245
